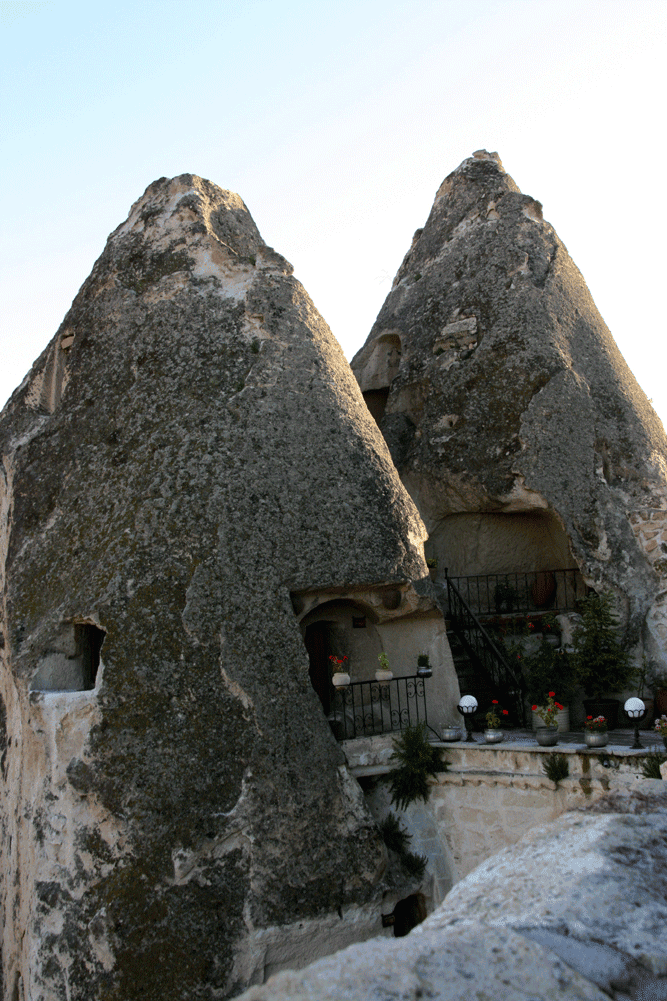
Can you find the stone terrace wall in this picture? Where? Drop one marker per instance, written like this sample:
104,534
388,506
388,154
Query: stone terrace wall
490,796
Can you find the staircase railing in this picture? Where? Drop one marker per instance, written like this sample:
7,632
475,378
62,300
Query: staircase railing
481,648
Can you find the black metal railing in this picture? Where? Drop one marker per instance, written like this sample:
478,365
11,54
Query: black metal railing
521,593
366,708
484,651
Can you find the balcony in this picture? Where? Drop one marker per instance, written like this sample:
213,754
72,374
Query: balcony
554,591
368,708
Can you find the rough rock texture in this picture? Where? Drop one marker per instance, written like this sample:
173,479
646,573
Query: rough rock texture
577,909
507,394
189,450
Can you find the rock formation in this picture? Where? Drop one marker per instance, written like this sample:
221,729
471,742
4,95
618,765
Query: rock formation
575,911
510,414
189,454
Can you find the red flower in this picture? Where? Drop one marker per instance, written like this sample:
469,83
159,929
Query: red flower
494,702
558,706
531,625
589,717
551,695
505,712
535,709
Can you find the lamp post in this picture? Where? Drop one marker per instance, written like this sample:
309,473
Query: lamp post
467,706
635,709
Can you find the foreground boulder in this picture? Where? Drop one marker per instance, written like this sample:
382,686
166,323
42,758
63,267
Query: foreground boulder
510,413
576,909
189,453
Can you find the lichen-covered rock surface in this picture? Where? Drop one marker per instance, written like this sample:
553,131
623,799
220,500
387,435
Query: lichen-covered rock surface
189,450
577,909
507,393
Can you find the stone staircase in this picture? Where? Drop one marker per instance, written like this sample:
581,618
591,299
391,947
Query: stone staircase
473,680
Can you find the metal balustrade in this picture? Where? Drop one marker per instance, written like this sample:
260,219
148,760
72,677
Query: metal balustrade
367,708
483,650
521,593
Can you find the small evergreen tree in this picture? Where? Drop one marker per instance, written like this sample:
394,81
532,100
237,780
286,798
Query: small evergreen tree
601,664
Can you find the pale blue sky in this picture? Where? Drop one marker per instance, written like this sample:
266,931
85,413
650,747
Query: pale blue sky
336,123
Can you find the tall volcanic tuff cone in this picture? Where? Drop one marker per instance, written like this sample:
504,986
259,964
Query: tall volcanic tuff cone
512,418
189,474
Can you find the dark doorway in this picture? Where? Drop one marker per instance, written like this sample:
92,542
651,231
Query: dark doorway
89,640
317,645
409,913
376,401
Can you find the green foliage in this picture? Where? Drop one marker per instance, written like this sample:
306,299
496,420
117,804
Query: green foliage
556,767
414,865
393,835
549,669
417,760
384,661
651,765
601,665
397,839
422,660
504,596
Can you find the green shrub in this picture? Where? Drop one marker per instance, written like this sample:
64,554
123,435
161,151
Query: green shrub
414,865
651,765
549,669
393,835
601,664
397,839
417,760
556,767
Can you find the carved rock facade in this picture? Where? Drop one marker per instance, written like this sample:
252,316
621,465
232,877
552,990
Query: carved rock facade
510,414
189,452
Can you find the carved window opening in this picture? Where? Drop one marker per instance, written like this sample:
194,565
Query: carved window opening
71,662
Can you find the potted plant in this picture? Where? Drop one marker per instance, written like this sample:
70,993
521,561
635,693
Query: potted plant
493,734
383,674
547,666
661,728
340,677
595,731
451,732
424,669
432,564
547,735
601,664
504,596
